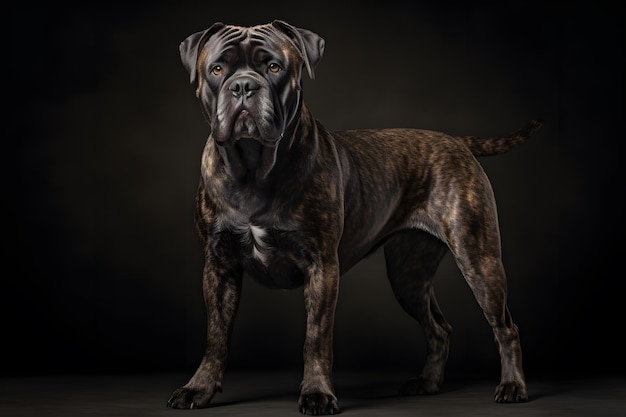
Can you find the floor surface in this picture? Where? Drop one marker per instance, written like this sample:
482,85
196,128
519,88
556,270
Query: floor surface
275,394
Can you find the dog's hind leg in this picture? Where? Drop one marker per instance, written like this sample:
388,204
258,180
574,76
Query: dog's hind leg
474,240
487,280
412,258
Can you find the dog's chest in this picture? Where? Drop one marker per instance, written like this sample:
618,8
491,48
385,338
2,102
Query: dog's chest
269,255
255,241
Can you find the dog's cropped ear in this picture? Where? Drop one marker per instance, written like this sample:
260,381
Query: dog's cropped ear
310,45
190,49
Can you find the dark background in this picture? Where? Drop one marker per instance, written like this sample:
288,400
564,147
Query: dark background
101,144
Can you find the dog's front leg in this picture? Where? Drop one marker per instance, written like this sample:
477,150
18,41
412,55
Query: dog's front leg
317,394
222,289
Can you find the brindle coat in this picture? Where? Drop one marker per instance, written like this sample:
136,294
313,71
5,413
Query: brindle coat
293,204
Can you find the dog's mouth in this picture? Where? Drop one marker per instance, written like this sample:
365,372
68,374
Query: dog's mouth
244,126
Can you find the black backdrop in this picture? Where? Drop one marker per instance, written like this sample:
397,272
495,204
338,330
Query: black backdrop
101,140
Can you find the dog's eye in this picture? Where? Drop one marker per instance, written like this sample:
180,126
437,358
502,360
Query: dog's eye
216,70
273,67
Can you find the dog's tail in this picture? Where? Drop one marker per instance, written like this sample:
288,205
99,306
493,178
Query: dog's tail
480,146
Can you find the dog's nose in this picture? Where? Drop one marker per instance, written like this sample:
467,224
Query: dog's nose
244,86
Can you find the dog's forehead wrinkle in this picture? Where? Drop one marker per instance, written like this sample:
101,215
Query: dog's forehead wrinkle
235,34
225,44
275,39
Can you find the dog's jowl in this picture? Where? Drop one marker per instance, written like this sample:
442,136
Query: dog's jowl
295,205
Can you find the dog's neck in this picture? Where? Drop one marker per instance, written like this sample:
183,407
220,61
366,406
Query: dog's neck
299,144
251,163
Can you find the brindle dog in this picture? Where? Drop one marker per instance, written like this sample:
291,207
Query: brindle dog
293,204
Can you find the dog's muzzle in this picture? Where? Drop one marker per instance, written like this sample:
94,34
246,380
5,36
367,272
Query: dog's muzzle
246,110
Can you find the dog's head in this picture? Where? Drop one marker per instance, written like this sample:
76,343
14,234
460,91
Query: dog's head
248,79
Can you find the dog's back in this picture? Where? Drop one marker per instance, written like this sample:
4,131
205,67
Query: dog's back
479,146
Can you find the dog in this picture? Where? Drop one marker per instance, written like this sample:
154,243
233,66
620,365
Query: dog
295,205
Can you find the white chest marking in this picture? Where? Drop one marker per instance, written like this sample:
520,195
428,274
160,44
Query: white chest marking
259,247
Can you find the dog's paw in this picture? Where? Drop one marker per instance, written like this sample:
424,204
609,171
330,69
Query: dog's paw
511,392
419,386
318,404
193,397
